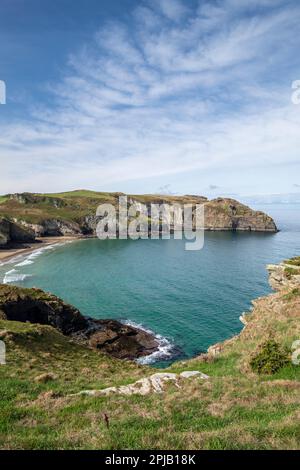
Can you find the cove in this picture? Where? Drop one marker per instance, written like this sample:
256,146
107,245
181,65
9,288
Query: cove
191,299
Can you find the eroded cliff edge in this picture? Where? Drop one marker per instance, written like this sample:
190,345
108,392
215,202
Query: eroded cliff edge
110,336
274,316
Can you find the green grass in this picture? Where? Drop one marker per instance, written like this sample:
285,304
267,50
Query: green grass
293,261
3,199
74,206
80,193
289,272
236,408
293,294
231,410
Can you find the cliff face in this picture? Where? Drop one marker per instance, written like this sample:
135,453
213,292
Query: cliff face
274,316
285,275
11,232
75,213
228,214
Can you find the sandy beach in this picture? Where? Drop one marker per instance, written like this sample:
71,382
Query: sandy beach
9,253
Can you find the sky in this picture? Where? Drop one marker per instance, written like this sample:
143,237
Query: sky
150,96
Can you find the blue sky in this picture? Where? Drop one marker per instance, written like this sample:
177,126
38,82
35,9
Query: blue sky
150,96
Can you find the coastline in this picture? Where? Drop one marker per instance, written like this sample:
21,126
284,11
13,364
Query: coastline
7,254
282,285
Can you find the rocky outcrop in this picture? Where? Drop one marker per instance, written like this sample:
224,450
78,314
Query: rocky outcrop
122,341
109,336
4,232
284,275
35,306
75,213
11,232
28,198
229,214
284,278
153,384
57,228
53,228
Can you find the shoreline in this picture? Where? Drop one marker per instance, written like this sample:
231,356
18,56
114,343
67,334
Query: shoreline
7,254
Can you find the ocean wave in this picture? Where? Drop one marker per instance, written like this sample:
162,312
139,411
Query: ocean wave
14,276
26,262
165,349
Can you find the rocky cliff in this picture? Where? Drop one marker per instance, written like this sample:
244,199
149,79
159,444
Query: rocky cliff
75,213
12,232
275,316
110,336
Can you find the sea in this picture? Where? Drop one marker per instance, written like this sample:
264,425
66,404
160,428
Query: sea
188,299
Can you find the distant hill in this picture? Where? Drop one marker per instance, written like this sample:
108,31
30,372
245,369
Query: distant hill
74,212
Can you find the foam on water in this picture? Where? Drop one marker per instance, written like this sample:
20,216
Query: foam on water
26,262
14,276
165,349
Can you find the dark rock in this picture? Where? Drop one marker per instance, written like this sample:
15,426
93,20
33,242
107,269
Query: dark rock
57,228
21,234
122,341
36,306
110,336
4,232
11,232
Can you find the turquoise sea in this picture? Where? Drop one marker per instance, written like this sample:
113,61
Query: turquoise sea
191,299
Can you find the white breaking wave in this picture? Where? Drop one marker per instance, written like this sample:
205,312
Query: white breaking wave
14,276
26,262
165,348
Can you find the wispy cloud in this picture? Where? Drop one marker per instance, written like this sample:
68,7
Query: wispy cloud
178,90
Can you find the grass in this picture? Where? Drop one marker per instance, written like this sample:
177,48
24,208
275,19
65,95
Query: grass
289,272
74,206
80,193
235,409
293,294
293,261
3,199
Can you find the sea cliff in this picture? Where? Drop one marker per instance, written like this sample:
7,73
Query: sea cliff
110,336
25,216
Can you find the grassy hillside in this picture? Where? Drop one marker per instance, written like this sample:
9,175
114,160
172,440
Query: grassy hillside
35,208
75,206
236,408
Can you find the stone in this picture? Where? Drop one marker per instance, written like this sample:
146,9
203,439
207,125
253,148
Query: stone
193,373
153,384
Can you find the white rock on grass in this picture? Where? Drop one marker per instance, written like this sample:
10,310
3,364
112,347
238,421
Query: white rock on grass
153,384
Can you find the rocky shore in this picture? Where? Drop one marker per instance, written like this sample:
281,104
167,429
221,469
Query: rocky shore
110,336
284,278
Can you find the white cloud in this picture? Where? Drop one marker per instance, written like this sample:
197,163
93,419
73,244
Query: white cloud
187,92
172,9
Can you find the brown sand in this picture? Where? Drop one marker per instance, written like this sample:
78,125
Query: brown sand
9,253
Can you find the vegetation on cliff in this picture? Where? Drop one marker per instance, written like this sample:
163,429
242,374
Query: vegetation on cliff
75,212
235,408
110,336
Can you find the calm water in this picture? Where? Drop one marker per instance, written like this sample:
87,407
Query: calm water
191,298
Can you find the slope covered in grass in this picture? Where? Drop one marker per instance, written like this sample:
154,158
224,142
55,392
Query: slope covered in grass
235,409
80,207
